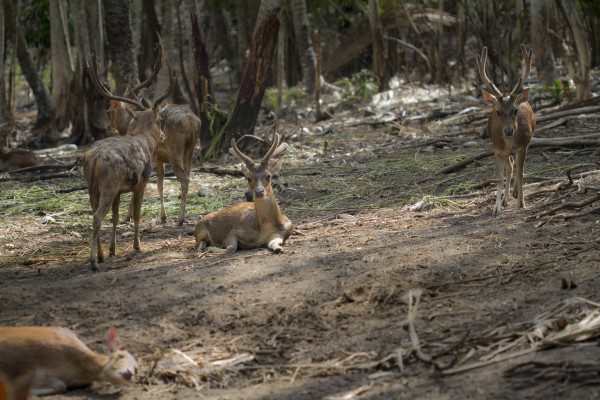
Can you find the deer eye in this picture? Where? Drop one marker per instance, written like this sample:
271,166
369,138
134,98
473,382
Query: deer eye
120,357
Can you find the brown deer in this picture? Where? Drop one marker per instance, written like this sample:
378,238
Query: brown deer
249,224
182,130
122,164
48,360
510,126
15,159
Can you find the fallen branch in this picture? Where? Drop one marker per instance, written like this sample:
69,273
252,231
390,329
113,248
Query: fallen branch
47,177
72,189
464,163
566,113
219,170
568,205
41,167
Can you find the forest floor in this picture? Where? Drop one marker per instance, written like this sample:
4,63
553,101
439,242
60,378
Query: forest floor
328,318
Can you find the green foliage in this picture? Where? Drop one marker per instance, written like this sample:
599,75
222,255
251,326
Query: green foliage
218,127
35,22
359,87
460,188
557,91
292,97
325,145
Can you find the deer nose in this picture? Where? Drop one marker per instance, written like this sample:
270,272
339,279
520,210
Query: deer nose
259,192
509,131
127,375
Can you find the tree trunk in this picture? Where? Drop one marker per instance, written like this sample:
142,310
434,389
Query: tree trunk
3,110
541,43
574,16
223,36
305,46
45,105
380,61
169,38
62,73
203,83
120,43
256,72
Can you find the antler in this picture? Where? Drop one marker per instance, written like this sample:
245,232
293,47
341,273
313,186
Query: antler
527,58
237,152
483,74
169,89
267,157
102,88
155,70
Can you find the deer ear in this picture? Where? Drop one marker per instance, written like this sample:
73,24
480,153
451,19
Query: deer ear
277,166
115,103
112,340
523,96
490,98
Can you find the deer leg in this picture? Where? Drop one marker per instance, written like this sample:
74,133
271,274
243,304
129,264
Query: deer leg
275,243
183,177
231,244
519,179
138,196
129,211
96,251
160,175
500,175
508,171
49,386
115,222
202,237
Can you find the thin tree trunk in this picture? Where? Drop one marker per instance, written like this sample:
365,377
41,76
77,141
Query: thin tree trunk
541,43
280,69
256,72
120,43
223,36
183,74
574,15
203,84
169,38
62,74
3,111
305,46
45,105
380,59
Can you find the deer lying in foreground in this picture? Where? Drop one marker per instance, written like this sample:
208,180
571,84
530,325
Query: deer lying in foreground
181,128
510,126
44,360
15,159
249,224
122,164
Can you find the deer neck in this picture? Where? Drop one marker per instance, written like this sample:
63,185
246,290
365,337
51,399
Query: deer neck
93,366
267,209
123,120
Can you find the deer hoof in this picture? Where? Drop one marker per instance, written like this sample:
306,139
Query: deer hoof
278,250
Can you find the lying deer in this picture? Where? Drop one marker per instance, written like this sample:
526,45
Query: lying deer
249,224
510,126
15,159
47,360
181,128
122,164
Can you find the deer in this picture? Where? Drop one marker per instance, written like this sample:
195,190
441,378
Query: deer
15,159
182,130
50,360
510,126
248,225
122,164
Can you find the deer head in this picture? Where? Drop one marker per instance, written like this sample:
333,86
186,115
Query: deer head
505,106
145,119
259,174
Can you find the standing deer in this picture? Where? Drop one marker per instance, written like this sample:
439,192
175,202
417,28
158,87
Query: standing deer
181,128
249,224
122,164
46,360
510,126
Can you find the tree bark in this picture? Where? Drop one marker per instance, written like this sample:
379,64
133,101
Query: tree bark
541,43
223,36
120,43
305,45
169,38
256,72
3,110
62,73
45,104
380,60
574,16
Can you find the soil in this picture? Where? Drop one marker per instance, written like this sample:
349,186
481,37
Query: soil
338,293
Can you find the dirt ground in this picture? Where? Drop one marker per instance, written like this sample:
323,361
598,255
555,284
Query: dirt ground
317,318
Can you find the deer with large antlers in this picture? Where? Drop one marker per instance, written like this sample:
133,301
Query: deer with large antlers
181,128
122,164
249,224
510,126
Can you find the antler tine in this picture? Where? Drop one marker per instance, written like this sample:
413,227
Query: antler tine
169,89
481,67
527,55
155,70
265,160
237,152
102,88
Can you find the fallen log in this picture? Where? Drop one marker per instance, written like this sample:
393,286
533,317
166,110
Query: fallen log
566,113
41,167
461,164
